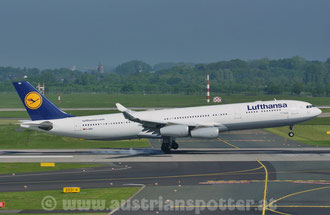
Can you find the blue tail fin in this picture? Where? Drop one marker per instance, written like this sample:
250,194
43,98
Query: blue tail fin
37,105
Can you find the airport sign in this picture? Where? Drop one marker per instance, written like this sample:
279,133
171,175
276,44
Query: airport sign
71,189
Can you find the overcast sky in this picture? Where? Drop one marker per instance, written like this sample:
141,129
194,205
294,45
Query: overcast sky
63,33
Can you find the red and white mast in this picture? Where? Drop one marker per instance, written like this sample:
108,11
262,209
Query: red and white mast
207,88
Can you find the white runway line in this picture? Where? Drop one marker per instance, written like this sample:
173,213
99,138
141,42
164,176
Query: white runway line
38,156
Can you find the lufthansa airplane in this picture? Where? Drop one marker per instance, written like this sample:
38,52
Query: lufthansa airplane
167,124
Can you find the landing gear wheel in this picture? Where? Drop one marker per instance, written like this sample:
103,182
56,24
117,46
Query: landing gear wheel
174,145
166,148
291,134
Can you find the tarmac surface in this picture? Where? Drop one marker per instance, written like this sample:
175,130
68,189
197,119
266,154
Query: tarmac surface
230,175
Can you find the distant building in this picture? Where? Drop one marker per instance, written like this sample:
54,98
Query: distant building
100,68
73,68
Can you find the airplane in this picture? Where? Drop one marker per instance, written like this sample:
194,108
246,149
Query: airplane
167,124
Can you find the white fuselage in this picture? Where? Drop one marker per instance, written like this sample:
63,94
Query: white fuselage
261,114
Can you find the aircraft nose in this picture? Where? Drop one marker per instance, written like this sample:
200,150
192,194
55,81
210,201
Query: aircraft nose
318,111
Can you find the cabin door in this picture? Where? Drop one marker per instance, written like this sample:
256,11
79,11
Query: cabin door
77,125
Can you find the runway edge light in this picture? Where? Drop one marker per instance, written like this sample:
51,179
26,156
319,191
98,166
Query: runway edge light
71,189
47,164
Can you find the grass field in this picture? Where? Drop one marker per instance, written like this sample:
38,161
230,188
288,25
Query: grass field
11,138
174,100
24,114
313,132
8,168
32,200
317,121
325,110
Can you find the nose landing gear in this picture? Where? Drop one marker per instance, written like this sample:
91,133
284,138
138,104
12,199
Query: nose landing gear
291,134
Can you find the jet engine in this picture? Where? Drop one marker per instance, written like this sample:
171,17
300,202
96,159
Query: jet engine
207,133
175,131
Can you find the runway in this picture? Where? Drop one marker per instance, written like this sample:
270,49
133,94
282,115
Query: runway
233,176
198,182
155,155
247,145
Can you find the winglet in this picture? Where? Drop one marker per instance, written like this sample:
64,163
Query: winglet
121,108
128,114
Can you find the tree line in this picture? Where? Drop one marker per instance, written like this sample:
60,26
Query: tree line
294,75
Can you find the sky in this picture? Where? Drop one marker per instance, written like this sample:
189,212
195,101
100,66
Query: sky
64,33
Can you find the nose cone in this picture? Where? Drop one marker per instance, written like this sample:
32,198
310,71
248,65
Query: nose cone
317,111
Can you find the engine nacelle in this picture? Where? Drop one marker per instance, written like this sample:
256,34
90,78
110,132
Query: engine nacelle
207,133
175,131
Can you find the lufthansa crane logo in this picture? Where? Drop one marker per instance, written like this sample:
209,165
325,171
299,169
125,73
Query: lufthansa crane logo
33,100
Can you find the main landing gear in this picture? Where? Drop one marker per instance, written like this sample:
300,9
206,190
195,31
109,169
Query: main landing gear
168,144
291,134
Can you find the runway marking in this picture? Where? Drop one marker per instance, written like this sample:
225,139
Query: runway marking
215,206
278,212
240,172
259,181
137,178
224,141
78,170
297,193
253,140
129,199
38,156
303,206
252,206
290,172
265,190
226,182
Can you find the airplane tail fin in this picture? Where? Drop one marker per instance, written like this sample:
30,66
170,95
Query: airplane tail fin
36,104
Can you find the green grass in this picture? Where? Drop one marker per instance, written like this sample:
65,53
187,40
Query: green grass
24,114
108,100
315,135
6,168
14,114
325,110
317,121
78,213
165,100
31,200
28,139
57,213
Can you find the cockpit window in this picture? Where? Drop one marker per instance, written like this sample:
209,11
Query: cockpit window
309,106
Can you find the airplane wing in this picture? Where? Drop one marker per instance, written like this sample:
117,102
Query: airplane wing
132,115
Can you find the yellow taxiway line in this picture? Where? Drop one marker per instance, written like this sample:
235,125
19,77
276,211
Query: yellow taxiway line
229,144
296,193
265,189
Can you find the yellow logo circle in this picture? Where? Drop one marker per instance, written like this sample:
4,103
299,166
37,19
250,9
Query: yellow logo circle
33,100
